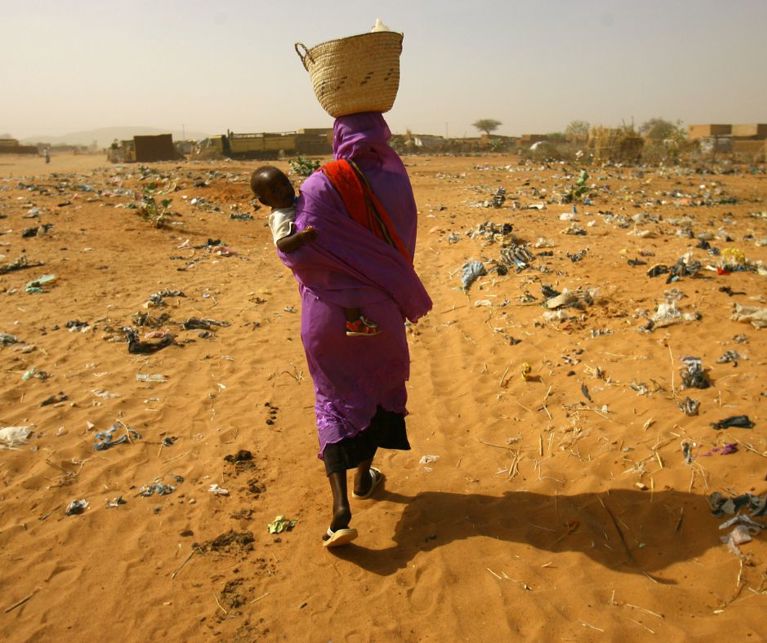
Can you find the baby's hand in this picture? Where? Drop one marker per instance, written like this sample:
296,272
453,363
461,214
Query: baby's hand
297,240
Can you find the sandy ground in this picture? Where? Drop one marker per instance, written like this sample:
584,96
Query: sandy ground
547,516
18,165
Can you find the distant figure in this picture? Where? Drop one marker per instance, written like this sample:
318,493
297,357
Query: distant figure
273,188
47,155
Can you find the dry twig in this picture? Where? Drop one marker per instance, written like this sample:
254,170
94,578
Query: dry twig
497,446
750,447
642,625
671,358
19,603
181,566
525,407
679,522
221,607
255,600
618,529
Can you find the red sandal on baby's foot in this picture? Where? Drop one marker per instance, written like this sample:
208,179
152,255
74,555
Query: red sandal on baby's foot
362,327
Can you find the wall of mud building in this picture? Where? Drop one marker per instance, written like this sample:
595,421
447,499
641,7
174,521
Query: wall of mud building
154,148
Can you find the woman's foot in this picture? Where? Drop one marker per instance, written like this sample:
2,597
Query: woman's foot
339,537
366,482
342,513
339,533
342,516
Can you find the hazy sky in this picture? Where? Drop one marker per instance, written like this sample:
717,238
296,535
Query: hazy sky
535,65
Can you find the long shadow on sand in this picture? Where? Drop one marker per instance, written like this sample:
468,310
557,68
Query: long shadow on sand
625,530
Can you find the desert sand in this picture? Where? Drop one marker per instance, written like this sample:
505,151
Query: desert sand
559,506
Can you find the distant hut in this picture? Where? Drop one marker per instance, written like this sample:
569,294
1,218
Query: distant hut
155,148
12,146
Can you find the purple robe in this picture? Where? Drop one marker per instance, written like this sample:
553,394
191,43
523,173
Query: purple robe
347,266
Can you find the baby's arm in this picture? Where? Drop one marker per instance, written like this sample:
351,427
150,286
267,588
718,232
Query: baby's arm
295,241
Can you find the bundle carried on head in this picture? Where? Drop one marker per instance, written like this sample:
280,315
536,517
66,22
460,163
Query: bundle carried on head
355,74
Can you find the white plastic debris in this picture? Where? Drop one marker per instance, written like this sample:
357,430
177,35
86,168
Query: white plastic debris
13,436
738,536
218,491
379,26
757,316
668,314
147,377
104,394
555,315
565,298
642,234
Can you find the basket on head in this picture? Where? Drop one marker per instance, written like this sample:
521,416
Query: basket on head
355,74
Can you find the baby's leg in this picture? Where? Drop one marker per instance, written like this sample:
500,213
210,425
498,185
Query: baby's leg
359,326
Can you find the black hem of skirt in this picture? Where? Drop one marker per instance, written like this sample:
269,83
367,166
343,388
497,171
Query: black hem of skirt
387,430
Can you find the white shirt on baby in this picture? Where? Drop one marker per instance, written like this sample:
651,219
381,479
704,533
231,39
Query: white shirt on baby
282,222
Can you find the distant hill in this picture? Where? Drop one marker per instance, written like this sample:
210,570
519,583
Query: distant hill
105,135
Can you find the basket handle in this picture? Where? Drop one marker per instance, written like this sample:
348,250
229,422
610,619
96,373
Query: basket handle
303,55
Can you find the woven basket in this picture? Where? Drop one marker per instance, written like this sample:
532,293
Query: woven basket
355,74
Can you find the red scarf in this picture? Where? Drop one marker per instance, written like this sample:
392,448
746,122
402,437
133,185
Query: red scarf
362,204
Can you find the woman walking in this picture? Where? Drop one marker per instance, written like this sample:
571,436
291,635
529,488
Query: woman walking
363,211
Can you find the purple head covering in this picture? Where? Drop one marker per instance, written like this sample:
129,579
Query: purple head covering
364,138
364,135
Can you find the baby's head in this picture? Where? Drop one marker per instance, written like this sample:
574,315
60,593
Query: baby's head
272,187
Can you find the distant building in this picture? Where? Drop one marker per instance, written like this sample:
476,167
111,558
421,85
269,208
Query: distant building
750,149
184,148
144,149
410,143
420,143
748,140
316,141
750,131
697,132
155,148
12,146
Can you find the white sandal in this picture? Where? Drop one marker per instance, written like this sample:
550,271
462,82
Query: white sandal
377,477
339,537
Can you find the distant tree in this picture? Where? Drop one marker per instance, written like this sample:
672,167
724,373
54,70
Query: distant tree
659,129
487,125
555,137
577,131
